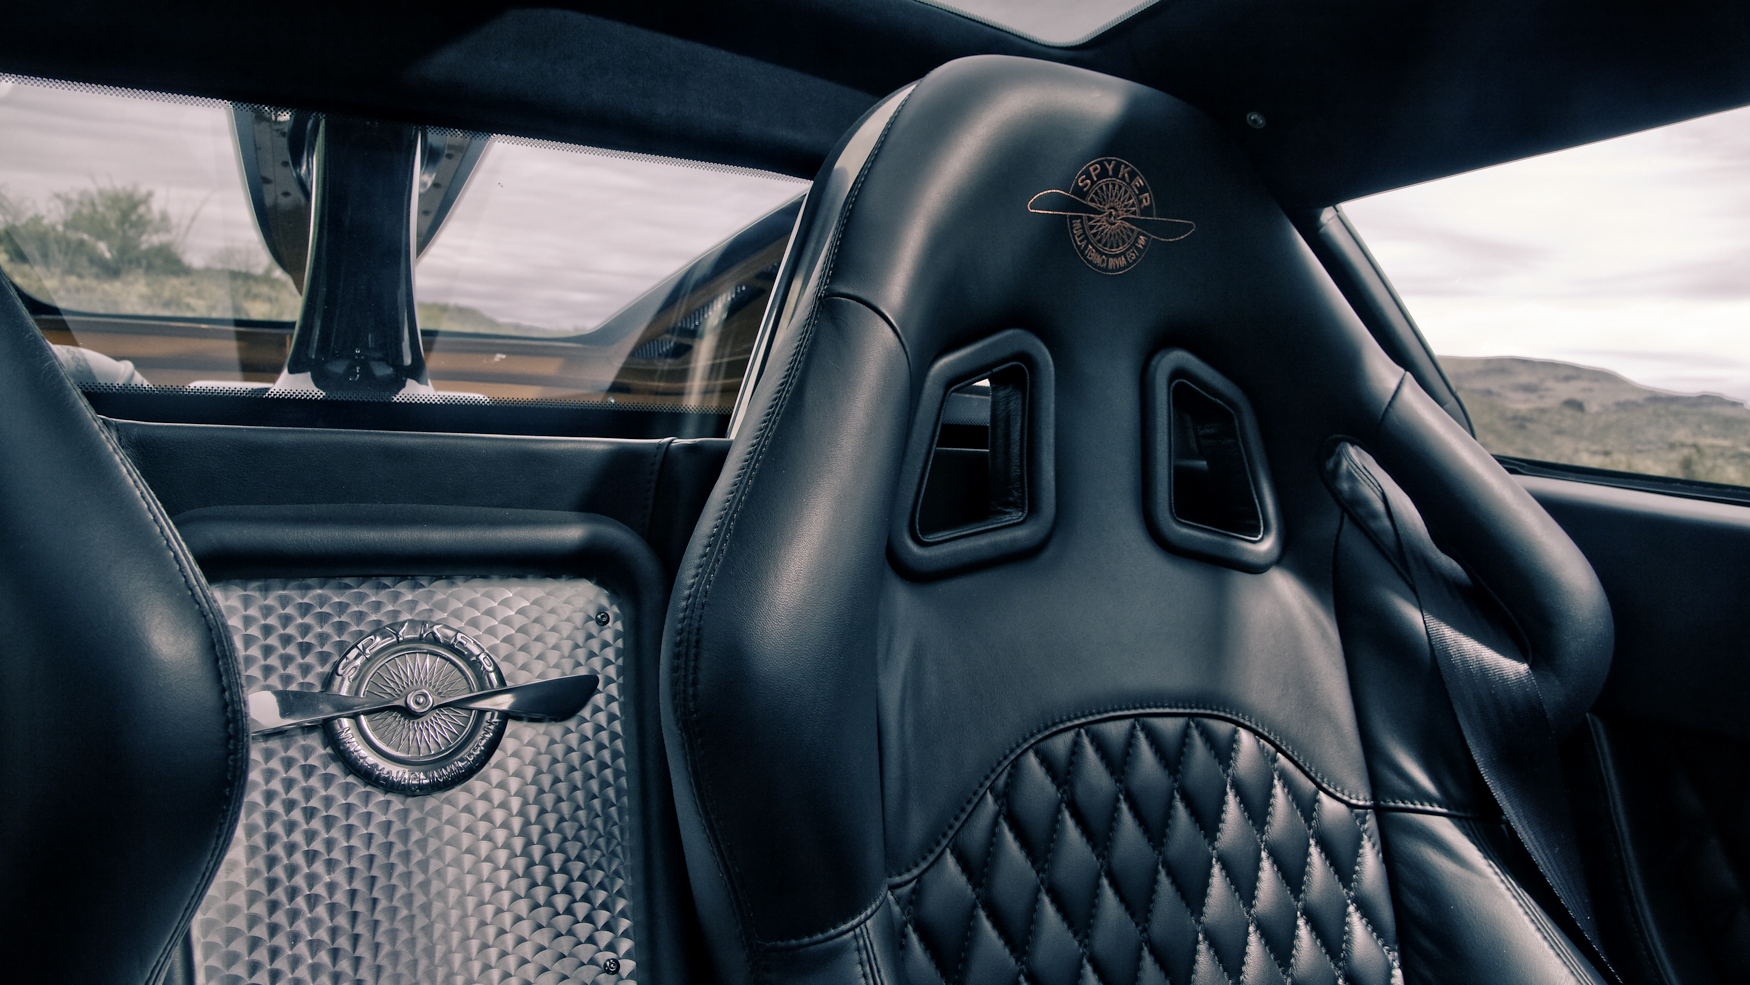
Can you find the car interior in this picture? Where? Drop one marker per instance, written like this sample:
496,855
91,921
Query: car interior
1025,538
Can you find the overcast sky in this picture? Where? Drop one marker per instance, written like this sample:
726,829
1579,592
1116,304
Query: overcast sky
1631,254
562,239
546,236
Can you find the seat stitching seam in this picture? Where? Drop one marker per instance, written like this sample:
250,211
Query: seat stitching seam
1100,853
1267,863
1191,732
1087,718
862,954
1314,851
221,644
1277,782
1263,854
1043,877
1178,775
966,938
834,932
1008,947
1146,951
1353,895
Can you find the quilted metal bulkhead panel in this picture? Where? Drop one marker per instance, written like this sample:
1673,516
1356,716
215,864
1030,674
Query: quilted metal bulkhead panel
518,875
1153,849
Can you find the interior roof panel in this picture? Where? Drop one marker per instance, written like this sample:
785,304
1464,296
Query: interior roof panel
1357,95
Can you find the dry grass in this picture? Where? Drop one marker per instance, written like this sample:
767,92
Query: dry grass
201,293
1557,412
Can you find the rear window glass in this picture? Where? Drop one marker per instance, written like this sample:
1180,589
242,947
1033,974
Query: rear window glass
1590,306
164,244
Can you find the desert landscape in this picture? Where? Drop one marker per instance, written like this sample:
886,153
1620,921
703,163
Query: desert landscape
1560,412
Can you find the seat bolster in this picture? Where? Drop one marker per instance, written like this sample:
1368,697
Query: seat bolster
1482,518
1457,883
1416,752
122,743
769,667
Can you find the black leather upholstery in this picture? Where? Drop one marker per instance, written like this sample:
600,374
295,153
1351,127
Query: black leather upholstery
122,744
654,487
846,739
1177,848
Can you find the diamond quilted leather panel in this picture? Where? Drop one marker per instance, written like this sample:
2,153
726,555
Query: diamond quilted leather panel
1159,849
518,875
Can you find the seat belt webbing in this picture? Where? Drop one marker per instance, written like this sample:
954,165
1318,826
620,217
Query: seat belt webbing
1496,698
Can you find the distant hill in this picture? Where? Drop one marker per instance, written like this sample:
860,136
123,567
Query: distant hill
1560,412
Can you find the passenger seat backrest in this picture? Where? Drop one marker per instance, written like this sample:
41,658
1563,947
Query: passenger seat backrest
122,743
1139,727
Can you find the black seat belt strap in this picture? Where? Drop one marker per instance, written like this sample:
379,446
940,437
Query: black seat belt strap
1496,698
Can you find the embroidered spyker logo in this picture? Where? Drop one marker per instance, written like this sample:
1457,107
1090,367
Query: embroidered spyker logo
417,707
1111,215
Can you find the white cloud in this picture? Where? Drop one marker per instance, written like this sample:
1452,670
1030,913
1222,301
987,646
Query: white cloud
1632,254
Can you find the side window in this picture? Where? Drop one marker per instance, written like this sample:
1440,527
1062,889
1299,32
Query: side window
201,261
1591,306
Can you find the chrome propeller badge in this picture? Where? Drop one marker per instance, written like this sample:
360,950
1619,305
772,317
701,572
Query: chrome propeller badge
417,707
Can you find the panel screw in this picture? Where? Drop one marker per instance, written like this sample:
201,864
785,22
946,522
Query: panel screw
611,966
1255,120
601,619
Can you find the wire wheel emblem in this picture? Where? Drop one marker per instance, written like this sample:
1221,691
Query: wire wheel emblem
421,664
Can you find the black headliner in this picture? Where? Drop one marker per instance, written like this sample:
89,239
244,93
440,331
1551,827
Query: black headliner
1359,95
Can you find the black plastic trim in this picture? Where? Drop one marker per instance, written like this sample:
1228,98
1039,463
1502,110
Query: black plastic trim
984,544
1253,554
1715,492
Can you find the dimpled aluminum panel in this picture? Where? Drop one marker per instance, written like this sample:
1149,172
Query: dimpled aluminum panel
518,875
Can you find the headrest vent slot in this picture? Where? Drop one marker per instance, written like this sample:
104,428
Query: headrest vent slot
1208,490
977,483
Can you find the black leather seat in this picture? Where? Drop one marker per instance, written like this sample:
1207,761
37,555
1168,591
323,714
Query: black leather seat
122,742
1098,736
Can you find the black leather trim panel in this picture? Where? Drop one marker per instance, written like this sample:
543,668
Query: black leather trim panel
1675,854
655,487
1662,766
375,538
1358,275
1677,572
